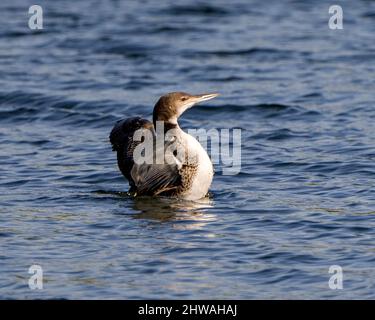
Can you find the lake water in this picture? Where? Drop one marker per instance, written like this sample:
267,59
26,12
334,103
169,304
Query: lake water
304,200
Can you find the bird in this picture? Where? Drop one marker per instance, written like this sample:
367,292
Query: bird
185,172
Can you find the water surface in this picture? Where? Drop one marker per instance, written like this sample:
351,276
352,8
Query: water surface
305,197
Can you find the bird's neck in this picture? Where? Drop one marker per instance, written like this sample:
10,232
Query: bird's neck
168,125
171,126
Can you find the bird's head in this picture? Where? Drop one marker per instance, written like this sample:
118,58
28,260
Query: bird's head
172,105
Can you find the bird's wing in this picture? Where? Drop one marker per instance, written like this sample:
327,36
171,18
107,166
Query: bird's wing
122,140
159,178
156,179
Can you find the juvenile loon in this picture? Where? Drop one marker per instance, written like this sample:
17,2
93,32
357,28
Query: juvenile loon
186,170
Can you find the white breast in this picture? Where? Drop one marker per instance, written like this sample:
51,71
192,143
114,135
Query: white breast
203,178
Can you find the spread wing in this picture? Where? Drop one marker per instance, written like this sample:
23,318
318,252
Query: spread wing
152,178
156,179
147,178
122,141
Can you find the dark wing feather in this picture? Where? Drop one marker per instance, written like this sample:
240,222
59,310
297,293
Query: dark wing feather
156,179
121,138
144,179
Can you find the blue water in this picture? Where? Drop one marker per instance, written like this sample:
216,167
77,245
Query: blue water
305,197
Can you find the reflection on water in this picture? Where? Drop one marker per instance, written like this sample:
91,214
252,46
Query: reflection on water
168,209
164,209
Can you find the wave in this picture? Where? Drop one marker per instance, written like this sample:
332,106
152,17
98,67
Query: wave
258,53
196,10
28,107
266,110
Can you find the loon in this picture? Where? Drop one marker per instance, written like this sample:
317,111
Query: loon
186,175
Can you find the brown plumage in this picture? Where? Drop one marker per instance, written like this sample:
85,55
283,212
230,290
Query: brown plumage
169,106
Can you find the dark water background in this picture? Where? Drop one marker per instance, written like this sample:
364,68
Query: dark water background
304,199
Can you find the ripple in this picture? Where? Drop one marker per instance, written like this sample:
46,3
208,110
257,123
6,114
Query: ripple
279,134
303,200
250,52
197,9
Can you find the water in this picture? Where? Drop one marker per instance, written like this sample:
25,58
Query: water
304,199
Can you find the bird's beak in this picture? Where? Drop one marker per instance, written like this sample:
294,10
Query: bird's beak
196,99
203,97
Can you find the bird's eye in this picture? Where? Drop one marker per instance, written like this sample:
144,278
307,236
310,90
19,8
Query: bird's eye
184,98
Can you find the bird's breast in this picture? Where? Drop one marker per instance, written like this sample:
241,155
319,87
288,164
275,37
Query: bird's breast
199,168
